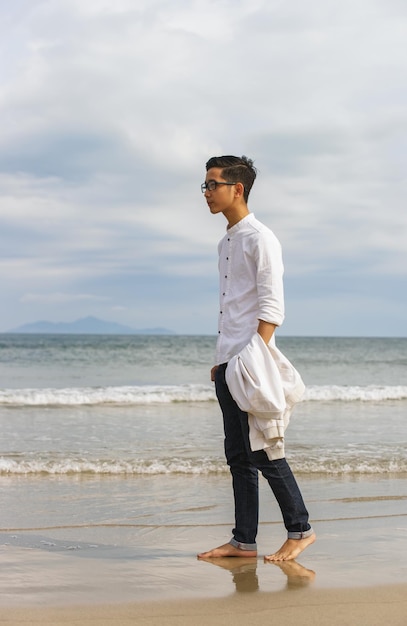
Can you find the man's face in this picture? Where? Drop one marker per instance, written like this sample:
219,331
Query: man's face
220,199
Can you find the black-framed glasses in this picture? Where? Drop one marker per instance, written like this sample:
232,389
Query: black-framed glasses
212,184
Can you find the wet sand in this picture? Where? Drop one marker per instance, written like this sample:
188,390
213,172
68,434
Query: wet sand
354,574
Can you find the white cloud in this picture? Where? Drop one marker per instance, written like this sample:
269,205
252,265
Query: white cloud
110,111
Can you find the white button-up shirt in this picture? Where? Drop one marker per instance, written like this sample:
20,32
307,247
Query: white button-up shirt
251,285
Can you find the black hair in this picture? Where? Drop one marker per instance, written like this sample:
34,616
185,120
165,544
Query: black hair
235,170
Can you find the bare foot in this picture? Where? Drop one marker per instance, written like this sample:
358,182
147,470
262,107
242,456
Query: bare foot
227,550
291,549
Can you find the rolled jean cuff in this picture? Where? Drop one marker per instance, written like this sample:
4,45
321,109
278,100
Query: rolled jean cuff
297,535
242,546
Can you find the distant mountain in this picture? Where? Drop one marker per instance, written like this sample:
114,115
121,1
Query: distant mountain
87,326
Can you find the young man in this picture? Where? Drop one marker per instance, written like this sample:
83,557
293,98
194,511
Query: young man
251,301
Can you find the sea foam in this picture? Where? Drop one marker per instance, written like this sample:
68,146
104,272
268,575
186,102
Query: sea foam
162,394
355,465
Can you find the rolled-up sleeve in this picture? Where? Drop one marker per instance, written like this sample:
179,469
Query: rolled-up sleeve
270,270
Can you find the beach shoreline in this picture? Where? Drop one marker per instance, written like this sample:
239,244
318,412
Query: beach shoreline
354,574
105,505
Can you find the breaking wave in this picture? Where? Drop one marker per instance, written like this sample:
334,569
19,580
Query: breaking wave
353,465
161,394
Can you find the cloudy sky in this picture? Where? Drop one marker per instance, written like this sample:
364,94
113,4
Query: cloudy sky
109,111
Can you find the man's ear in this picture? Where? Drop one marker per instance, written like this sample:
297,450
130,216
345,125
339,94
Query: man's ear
239,189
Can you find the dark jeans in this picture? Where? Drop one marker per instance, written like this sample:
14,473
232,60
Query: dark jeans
244,466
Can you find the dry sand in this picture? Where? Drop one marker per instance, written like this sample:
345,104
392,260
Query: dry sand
306,607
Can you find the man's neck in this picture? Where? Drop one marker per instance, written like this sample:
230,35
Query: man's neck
236,214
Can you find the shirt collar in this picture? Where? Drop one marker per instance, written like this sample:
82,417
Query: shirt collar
241,224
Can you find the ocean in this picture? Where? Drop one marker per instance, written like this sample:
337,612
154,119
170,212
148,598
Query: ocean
136,405
112,440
